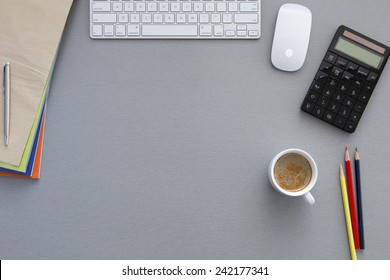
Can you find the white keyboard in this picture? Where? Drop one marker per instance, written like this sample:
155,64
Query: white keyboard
175,19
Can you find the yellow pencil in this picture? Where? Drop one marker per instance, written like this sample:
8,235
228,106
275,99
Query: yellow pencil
347,214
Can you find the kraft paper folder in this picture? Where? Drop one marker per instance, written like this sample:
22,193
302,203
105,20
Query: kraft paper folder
30,32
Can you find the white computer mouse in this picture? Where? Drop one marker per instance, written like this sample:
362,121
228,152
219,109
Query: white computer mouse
291,38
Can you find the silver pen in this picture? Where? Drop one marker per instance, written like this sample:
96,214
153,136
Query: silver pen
7,91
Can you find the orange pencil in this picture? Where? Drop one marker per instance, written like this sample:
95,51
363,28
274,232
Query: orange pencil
351,198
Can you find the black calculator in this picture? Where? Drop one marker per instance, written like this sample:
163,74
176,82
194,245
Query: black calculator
346,79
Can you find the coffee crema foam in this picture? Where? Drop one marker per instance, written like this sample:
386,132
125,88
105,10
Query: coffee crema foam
292,172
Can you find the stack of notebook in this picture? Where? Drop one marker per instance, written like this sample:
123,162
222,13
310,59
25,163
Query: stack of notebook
30,35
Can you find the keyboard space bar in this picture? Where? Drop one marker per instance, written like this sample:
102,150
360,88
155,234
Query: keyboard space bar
169,30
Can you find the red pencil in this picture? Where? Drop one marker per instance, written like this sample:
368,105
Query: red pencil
351,198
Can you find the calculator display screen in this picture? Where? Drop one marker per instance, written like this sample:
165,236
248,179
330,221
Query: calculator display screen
356,51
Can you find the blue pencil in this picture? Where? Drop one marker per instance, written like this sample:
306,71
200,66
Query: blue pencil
359,199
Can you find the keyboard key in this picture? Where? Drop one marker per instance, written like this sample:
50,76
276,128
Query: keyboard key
333,106
326,67
337,72
317,86
338,97
328,92
246,18
170,30
312,96
233,7
218,30
104,18
205,30
329,116
307,106
348,102
347,77
109,30
215,18
321,76
318,111
364,97
230,33
350,126
339,121
344,112
357,82
210,7
352,67
332,82
221,7
355,116
227,18
248,7
341,62
133,30
359,107
120,30
253,33
97,30
117,7
372,77
330,57
342,87
353,92
368,87
101,7
129,7
323,101
362,72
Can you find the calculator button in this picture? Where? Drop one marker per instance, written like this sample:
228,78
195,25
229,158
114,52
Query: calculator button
348,102
353,92
352,67
350,126
307,106
364,97
337,72
333,106
341,62
342,87
318,111
357,82
340,121
312,96
326,67
347,77
338,97
362,72
359,107
368,87
329,116
355,116
344,112
328,92
372,77
332,82
321,76
330,57
317,86
323,101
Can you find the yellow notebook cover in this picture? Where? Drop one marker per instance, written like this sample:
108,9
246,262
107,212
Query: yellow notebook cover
30,32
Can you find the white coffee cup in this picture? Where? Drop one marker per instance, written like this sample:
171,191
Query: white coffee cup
304,192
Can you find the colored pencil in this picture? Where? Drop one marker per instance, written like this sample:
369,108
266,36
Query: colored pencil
359,199
351,197
347,215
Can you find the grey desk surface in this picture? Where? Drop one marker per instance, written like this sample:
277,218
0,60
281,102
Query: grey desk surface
159,150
